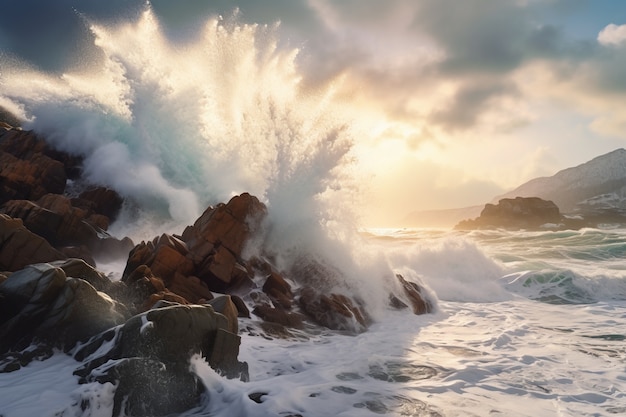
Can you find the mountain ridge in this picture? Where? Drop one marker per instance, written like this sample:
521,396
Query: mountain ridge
571,186
593,187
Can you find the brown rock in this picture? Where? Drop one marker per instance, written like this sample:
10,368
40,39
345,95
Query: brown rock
108,248
278,290
27,145
140,255
221,266
207,257
54,219
335,311
242,309
29,179
102,201
229,224
190,287
278,315
163,296
168,261
30,168
217,238
20,247
414,293
515,213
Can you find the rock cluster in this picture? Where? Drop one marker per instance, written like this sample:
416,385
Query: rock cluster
33,179
516,213
179,294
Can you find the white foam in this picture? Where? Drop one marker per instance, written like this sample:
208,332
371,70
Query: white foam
40,388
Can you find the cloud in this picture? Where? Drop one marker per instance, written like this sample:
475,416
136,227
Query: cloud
470,101
612,35
442,64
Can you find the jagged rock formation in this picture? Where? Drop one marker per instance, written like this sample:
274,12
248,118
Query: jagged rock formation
138,333
20,247
33,177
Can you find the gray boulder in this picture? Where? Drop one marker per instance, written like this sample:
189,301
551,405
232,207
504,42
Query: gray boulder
147,358
41,303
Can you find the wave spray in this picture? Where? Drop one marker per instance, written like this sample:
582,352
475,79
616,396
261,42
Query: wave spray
175,127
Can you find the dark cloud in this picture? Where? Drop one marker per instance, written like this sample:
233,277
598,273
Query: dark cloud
53,35
477,35
378,43
469,102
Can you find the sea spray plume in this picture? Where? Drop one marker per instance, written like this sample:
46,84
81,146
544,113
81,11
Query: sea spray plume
210,114
177,126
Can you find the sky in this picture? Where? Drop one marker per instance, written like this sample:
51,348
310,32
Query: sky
453,102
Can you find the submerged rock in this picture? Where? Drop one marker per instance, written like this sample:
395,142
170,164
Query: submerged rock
414,294
335,311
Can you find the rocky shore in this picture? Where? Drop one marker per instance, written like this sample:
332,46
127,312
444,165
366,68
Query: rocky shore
179,294
534,213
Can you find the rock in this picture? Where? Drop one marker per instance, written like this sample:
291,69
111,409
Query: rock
216,241
224,305
149,387
335,311
227,225
15,360
165,257
517,213
414,293
59,224
27,145
278,290
55,219
107,248
100,200
278,316
41,303
141,284
161,296
208,256
78,252
242,309
77,268
30,168
20,247
29,179
190,287
158,344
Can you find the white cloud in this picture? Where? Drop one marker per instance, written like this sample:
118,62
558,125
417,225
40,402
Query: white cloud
612,35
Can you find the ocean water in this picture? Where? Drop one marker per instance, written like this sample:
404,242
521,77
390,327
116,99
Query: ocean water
526,323
542,332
